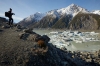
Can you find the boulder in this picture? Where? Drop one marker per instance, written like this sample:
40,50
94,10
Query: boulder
24,36
33,37
73,56
44,38
18,26
28,36
5,26
36,37
63,48
15,25
29,31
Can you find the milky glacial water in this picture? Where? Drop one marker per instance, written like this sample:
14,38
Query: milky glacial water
86,46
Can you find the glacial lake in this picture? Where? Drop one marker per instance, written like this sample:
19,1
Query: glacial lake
86,46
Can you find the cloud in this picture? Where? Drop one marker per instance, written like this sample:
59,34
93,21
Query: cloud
2,14
17,18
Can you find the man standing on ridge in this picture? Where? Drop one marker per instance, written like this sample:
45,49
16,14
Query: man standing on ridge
10,17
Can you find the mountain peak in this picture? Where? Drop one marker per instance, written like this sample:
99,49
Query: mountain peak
73,4
71,10
96,12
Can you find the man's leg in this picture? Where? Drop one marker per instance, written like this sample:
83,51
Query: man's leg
11,21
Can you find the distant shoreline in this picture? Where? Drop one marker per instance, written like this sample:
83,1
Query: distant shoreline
82,30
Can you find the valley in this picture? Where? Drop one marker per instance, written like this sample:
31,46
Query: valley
72,40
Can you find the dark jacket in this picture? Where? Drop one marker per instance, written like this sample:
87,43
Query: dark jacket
10,14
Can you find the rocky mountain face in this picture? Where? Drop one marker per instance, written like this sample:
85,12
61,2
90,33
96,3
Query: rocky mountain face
51,17
62,22
31,19
62,18
46,22
85,21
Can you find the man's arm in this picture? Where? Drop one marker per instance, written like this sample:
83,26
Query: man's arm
13,13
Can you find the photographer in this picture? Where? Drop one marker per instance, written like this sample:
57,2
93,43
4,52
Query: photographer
10,17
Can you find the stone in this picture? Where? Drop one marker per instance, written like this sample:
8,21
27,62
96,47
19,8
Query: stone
21,35
29,31
35,37
31,37
18,27
88,56
73,56
33,49
63,48
5,26
24,36
14,25
88,60
81,56
46,38
64,63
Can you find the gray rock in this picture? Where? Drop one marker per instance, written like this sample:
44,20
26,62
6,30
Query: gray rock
29,31
5,26
36,37
64,63
24,36
46,38
33,37
18,27
88,60
64,48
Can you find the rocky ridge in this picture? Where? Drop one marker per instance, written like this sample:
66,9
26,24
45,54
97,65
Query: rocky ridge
19,47
52,17
85,21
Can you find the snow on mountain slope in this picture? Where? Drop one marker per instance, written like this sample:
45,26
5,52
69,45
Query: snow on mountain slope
37,16
96,12
71,9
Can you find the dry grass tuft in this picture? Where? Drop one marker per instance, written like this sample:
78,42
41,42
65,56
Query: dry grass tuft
41,43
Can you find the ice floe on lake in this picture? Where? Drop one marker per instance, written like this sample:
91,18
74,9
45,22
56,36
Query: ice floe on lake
65,38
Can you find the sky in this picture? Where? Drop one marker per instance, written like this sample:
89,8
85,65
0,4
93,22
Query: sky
25,8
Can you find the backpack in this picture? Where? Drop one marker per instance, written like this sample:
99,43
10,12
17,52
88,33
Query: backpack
7,14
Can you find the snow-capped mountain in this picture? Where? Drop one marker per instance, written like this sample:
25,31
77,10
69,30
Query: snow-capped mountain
71,9
56,16
96,12
37,16
32,19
